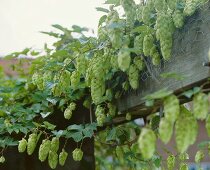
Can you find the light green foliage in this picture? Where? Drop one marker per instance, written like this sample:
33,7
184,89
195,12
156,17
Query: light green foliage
171,108
208,125
183,166
199,156
133,76
171,160
186,129
147,44
138,61
44,150
200,106
54,146
165,130
32,141
128,116
62,157
22,145
147,143
2,159
53,159
124,59
77,154
178,19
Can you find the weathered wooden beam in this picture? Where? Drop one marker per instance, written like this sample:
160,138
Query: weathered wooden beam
190,50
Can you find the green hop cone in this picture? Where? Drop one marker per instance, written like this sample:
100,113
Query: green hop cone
22,145
208,125
72,106
199,156
165,130
62,157
77,154
124,59
52,159
200,106
183,166
171,162
2,159
186,129
101,119
67,114
32,141
171,108
44,150
54,144
147,143
183,156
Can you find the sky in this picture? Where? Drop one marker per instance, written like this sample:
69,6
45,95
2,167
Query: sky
22,20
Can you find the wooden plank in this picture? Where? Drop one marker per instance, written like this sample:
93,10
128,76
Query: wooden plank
190,49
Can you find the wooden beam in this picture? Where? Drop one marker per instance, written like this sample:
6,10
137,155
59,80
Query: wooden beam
190,50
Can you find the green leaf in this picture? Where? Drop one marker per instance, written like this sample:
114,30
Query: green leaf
115,2
172,75
102,20
102,9
158,95
75,127
112,134
48,125
77,136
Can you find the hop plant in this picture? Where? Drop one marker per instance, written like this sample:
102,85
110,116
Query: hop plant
22,145
75,79
54,144
101,118
160,5
124,59
165,130
81,64
133,76
208,125
72,106
178,19
2,159
171,162
200,106
62,157
183,166
112,109
147,44
52,159
190,7
186,129
44,150
199,156
138,44
171,108
147,143
68,113
77,154
138,61
32,141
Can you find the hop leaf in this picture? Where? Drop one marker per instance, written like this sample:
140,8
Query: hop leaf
165,130
200,106
171,108
54,144
53,159
77,154
22,145
44,150
2,159
147,142
32,141
62,157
